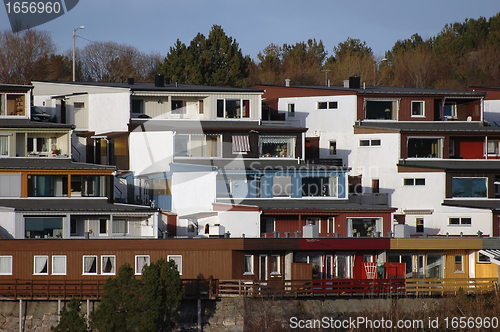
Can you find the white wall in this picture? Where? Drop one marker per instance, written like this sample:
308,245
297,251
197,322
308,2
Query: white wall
193,192
7,222
492,112
150,152
109,112
240,222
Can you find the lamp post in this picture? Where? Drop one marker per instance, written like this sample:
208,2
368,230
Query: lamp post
74,37
375,68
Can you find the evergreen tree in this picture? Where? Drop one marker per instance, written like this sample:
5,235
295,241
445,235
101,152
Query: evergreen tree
71,318
214,60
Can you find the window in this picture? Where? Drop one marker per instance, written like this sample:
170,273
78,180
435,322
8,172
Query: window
492,147
77,104
140,262
323,105
291,110
248,264
12,104
434,266
450,110
332,148
4,145
408,182
282,186
419,225
88,186
192,225
363,227
451,148
89,264
73,226
108,265
5,265
43,227
460,221
416,182
417,108
481,258
103,226
459,263
277,146
59,265
274,264
367,142
187,145
41,145
381,109
120,226
233,108
330,225
319,186
137,106
47,186
267,225
177,260
425,147
41,265
469,187
178,107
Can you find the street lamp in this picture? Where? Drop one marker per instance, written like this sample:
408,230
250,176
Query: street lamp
74,36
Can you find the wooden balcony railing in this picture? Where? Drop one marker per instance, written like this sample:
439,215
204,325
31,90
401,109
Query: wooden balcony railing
212,288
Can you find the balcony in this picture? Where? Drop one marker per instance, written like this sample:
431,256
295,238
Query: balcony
370,199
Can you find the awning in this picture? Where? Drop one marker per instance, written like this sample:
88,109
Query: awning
493,254
241,143
418,212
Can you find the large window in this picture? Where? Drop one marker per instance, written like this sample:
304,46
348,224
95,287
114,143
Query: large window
187,145
277,146
460,221
178,107
40,145
233,108
327,105
381,109
425,147
274,264
137,106
43,227
469,187
88,186
363,227
319,186
120,226
5,265
12,104
450,110
402,258
47,185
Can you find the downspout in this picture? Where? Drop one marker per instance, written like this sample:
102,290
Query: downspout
486,147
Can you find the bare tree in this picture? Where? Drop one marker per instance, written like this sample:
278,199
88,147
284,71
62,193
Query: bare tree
24,56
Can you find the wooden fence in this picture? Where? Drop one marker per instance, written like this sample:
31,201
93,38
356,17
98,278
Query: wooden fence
213,288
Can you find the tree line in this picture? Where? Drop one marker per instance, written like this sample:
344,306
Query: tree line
461,55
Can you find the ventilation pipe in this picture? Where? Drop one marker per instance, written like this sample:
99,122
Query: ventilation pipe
287,82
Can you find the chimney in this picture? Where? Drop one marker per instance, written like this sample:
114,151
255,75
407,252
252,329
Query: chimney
346,83
159,80
130,81
167,80
287,82
354,82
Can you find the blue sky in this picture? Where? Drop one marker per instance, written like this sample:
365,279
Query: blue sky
155,25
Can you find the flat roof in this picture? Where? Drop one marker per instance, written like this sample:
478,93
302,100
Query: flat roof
49,163
150,86
82,205
26,123
436,126
454,164
315,204
388,90
489,204
237,125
